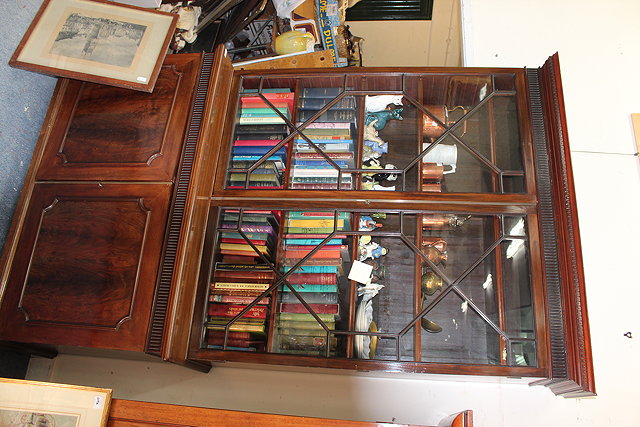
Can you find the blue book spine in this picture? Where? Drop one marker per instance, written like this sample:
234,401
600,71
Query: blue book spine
324,141
314,269
290,242
312,288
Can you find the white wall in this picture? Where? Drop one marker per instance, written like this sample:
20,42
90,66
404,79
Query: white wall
597,42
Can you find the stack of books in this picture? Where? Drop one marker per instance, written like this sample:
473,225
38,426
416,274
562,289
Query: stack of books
240,277
298,332
331,132
260,129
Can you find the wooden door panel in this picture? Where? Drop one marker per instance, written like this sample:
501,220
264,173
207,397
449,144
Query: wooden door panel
85,269
108,133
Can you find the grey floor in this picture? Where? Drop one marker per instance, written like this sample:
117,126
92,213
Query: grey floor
24,98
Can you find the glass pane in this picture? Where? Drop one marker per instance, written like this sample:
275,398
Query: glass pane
455,333
508,148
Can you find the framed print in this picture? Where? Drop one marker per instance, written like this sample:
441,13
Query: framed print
97,41
33,403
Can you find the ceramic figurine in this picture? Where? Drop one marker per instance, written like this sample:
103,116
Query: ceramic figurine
379,119
367,223
371,134
377,147
368,154
374,103
371,250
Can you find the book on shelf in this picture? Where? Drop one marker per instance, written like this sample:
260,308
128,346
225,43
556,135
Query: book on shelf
316,103
221,266
229,348
321,253
232,310
264,112
249,228
244,247
287,97
302,332
260,103
243,274
321,92
312,269
332,148
265,129
288,307
313,278
265,120
236,335
313,214
310,288
240,286
256,142
323,141
298,241
253,294
309,325
311,297
320,222
345,116
310,230
319,186
241,321
267,136
233,342
301,342
305,318
346,155
256,150
236,326
317,261
326,125
237,299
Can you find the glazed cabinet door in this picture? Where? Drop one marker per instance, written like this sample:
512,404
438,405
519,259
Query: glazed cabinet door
85,266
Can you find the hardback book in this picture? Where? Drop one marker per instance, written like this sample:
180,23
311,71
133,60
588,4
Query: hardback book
332,148
307,324
304,318
317,156
345,116
310,288
261,130
232,310
287,97
327,125
240,286
311,297
313,278
253,294
236,327
301,342
321,92
313,269
287,307
243,267
267,120
298,242
243,274
273,136
317,261
237,299
255,142
323,141
249,228
318,186
245,336
316,103
302,332
264,112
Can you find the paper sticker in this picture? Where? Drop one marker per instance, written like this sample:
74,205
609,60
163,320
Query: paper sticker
98,402
361,272
141,79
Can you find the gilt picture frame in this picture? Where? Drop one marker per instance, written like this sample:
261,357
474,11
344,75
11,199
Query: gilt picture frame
37,403
97,41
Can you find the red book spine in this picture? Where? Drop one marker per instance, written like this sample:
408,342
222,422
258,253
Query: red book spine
236,335
261,277
231,310
279,97
255,242
317,308
311,236
313,279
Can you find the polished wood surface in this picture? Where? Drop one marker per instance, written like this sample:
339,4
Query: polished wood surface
108,133
132,413
85,268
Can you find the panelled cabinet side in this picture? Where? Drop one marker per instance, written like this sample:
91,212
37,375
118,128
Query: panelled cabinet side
572,363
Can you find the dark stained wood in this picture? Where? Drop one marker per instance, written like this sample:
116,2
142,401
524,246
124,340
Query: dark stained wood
579,380
133,413
188,259
109,133
85,266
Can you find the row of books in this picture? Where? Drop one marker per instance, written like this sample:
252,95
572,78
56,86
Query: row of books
315,280
247,240
331,132
260,130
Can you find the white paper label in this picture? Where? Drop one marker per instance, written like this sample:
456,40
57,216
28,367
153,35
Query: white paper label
360,272
142,79
98,402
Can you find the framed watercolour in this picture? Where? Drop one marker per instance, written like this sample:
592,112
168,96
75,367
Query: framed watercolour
97,41
35,403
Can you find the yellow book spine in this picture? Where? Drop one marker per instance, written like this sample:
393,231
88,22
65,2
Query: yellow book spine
314,223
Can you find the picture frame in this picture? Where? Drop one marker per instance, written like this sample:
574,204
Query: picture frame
51,404
97,41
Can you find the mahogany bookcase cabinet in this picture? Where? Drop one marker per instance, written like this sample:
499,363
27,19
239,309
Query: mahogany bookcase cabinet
142,212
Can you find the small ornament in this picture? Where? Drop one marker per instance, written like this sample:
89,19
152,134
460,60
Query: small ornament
379,119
